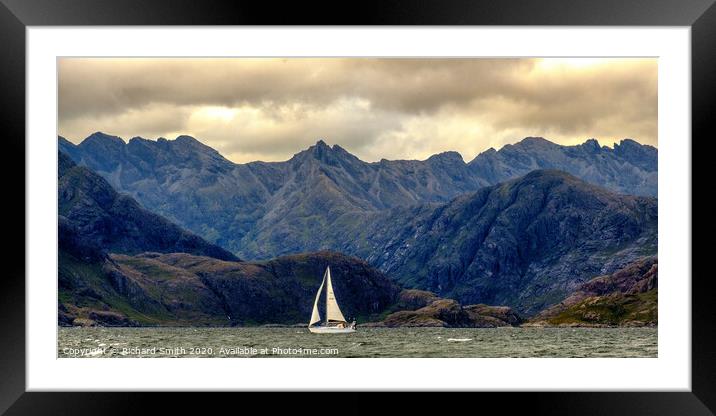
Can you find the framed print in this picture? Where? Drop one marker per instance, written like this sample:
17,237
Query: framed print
432,198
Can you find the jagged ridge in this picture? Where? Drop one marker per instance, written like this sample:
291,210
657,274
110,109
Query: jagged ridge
261,210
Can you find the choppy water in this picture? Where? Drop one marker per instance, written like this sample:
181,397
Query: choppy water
366,342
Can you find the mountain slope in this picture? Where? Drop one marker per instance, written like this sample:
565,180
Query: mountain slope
525,243
182,289
261,210
93,215
258,209
327,187
625,297
121,265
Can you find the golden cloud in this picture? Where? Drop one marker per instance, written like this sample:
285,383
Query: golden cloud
268,109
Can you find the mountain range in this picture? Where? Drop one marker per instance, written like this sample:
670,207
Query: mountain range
121,265
498,230
260,210
525,243
92,215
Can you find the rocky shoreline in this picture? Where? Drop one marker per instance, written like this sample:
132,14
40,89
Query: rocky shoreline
90,323
448,313
624,299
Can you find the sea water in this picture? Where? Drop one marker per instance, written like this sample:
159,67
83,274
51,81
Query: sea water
365,342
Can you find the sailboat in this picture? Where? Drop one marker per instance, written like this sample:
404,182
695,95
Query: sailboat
335,323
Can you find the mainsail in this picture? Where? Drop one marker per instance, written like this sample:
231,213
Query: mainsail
333,312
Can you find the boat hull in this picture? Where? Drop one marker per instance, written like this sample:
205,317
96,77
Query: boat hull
330,330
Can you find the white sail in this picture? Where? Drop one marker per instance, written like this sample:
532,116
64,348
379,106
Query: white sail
333,312
315,316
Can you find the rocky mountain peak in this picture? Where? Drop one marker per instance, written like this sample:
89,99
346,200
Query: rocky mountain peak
629,145
644,156
320,148
591,144
138,139
549,178
630,168
188,140
322,152
449,157
536,140
102,139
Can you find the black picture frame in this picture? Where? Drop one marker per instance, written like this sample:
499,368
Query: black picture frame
16,15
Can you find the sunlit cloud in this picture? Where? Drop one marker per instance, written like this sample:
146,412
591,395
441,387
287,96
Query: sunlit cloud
270,109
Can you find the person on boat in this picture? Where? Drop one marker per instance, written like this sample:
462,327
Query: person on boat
341,325
353,324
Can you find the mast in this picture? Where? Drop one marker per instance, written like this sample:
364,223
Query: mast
328,274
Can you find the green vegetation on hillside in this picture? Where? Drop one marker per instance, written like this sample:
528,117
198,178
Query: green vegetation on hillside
617,309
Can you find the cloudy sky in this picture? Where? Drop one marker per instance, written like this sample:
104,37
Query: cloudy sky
270,109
